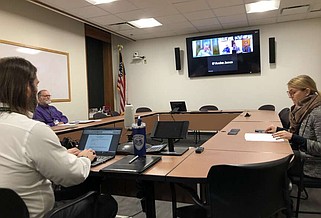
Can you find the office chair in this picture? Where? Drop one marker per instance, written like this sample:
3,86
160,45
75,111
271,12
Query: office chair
284,117
204,108
245,191
208,107
114,113
99,115
143,109
12,205
303,182
267,107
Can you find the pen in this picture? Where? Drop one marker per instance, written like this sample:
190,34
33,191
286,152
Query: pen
132,160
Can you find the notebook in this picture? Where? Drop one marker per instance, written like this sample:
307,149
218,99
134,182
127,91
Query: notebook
137,166
104,141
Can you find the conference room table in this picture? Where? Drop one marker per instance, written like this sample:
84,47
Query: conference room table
192,168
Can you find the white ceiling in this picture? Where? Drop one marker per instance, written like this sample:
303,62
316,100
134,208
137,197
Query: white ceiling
179,17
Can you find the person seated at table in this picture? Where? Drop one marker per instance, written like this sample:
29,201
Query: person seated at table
304,134
31,155
46,113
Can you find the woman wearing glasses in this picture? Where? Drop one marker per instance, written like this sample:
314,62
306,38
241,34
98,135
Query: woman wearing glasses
305,122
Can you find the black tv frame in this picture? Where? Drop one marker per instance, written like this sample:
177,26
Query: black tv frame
217,63
171,130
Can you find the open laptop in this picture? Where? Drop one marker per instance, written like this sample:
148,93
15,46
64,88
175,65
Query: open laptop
104,141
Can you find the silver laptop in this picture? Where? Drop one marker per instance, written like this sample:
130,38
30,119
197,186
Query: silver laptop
104,141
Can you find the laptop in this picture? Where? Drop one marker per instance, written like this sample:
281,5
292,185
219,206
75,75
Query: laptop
104,141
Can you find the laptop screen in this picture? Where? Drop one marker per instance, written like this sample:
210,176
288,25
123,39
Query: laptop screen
103,140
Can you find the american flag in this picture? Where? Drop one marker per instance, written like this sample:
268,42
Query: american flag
121,84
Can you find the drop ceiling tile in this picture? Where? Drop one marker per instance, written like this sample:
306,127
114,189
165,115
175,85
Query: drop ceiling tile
149,3
213,27
118,6
198,15
239,9
263,21
224,3
262,15
88,12
171,19
291,17
205,22
191,6
233,19
63,4
133,15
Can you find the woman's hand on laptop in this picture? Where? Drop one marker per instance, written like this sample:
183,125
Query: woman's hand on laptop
74,151
89,153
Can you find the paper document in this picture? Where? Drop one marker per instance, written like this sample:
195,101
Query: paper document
261,137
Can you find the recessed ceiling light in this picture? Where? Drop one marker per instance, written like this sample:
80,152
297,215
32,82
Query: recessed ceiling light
145,23
262,6
97,2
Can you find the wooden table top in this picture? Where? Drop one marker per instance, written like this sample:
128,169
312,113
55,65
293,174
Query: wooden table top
196,166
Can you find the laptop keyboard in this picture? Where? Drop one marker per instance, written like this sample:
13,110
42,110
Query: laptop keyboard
100,160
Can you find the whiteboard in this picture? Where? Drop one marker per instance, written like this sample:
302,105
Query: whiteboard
52,67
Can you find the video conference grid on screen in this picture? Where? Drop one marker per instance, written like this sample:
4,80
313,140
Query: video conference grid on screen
225,53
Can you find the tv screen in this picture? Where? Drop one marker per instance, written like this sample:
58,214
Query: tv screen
224,54
170,129
178,106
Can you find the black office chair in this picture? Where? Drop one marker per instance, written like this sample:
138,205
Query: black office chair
99,115
303,182
284,117
208,107
245,191
114,113
204,108
143,109
267,107
12,205
89,205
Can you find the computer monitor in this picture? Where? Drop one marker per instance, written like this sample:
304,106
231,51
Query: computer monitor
178,106
171,130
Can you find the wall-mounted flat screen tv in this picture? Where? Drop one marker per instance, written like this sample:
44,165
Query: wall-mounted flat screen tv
224,54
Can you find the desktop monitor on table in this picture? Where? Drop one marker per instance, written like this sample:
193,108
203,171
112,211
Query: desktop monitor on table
178,106
171,130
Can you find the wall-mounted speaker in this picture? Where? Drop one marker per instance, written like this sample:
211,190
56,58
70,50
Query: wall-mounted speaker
178,58
272,50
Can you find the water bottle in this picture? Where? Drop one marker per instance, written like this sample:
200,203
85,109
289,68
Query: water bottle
139,138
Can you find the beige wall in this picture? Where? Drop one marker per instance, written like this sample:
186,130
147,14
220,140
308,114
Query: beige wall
26,23
157,82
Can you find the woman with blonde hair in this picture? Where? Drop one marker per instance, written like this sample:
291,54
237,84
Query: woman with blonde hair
305,122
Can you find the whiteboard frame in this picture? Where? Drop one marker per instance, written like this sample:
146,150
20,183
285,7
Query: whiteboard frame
52,67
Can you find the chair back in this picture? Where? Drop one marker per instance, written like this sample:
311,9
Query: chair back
143,109
249,191
267,107
12,205
284,117
208,107
114,113
99,115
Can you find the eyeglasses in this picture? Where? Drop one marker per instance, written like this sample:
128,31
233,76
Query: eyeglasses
46,96
293,92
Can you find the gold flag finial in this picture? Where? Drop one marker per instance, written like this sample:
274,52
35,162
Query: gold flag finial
120,47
